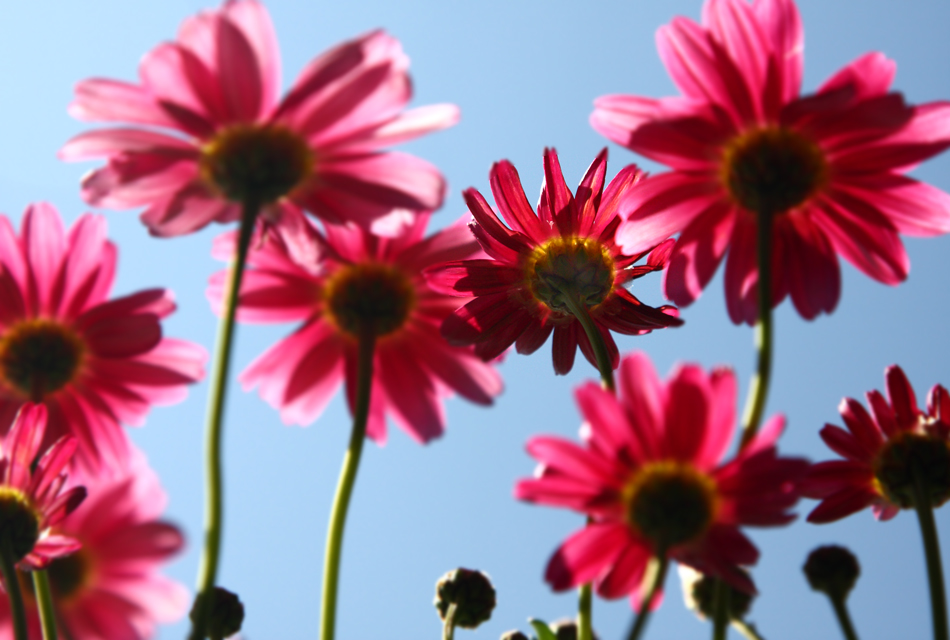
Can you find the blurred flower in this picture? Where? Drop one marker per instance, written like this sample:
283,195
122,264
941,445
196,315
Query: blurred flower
565,250
111,589
227,613
339,284
883,450
651,477
32,499
833,570
93,362
227,139
742,143
699,595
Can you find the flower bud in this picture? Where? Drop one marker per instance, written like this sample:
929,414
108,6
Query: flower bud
699,592
472,594
833,570
513,635
566,629
226,615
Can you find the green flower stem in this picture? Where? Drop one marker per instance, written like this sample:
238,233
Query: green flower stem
44,598
208,570
585,612
747,630
344,489
604,365
844,618
928,530
759,388
12,583
659,566
720,610
448,627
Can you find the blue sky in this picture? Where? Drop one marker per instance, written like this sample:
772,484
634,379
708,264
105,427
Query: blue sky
524,74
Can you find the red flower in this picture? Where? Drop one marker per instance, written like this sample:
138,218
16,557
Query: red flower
567,248
880,450
228,140
651,477
335,284
829,167
94,362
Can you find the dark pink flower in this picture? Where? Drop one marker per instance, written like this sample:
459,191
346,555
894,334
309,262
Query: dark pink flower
567,245
32,499
93,362
828,167
111,588
651,476
337,282
879,450
209,131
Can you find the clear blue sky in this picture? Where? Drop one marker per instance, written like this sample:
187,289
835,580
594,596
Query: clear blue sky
525,74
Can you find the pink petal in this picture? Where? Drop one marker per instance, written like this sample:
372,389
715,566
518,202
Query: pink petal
585,555
698,253
782,25
115,101
512,203
393,180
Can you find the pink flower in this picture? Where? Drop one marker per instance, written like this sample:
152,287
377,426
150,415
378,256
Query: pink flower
32,499
337,283
880,450
651,477
829,167
223,138
111,588
93,362
567,248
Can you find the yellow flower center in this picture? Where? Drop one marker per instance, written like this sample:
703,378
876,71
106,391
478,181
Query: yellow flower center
19,522
773,170
39,357
369,297
670,503
908,458
581,268
256,163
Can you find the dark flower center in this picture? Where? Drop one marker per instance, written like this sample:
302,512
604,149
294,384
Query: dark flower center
19,523
68,574
670,503
369,297
38,357
254,163
909,458
773,170
580,268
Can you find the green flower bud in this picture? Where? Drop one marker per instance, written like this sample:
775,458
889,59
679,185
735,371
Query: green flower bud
832,570
472,594
226,616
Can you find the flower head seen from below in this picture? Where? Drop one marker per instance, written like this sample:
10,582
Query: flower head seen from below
542,264
32,498
883,451
209,133
111,587
341,285
828,168
94,363
652,478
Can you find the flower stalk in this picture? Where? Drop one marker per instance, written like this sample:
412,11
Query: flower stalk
214,498
844,618
44,600
658,569
341,502
928,531
721,608
12,584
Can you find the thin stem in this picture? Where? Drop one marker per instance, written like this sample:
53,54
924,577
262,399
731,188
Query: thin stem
214,499
596,339
585,605
759,388
928,530
44,598
344,489
659,575
844,618
747,630
720,610
448,627
12,583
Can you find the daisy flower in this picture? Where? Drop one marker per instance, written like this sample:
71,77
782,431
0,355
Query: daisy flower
93,362
652,478
111,589
881,449
827,169
210,134
542,263
338,282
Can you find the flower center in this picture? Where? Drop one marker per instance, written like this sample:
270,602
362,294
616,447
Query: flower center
908,455
68,574
773,170
255,163
671,503
369,297
19,523
581,268
38,357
